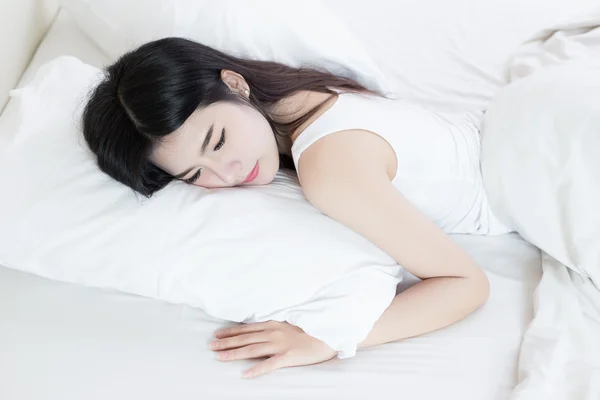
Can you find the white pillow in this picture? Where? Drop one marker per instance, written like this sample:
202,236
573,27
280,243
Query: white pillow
242,254
296,34
541,161
446,54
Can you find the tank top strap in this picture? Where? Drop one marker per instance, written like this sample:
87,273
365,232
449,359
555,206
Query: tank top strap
337,118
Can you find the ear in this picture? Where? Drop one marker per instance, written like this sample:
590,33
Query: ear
235,82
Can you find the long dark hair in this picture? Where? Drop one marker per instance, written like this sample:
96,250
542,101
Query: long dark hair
150,92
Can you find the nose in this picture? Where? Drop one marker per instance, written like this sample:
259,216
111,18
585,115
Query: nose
229,172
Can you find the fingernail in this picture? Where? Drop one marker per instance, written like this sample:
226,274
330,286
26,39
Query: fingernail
247,374
223,355
214,344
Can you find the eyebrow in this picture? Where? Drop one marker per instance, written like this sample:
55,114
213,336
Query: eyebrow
202,150
207,138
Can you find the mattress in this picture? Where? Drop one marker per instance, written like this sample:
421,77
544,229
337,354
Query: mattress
60,341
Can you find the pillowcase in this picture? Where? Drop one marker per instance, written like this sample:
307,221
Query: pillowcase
449,55
241,254
541,164
291,33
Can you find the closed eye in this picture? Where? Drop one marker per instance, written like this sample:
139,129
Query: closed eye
221,141
218,146
194,177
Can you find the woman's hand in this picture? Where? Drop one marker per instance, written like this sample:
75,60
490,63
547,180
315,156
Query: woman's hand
283,344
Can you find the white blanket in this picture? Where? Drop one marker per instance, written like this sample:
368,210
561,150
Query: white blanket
560,354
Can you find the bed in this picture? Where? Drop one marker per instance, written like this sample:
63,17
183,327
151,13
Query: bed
62,341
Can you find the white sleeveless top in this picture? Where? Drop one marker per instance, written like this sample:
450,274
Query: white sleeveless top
438,157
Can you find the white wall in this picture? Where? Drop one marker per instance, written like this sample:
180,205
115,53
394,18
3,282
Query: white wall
23,24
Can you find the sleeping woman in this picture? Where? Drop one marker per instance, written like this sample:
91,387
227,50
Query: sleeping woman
400,175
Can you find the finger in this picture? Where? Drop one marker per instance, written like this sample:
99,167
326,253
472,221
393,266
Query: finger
240,329
234,342
264,367
246,352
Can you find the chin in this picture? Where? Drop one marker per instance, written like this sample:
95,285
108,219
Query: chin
263,179
268,172
267,181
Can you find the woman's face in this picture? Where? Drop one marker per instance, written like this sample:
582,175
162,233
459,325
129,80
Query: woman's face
222,145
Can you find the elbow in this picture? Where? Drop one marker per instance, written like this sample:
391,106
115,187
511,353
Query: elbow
481,287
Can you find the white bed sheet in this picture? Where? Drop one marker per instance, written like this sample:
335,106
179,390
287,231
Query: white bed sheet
61,342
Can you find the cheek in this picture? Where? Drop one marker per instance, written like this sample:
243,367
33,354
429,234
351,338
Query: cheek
255,131
209,181
247,142
208,185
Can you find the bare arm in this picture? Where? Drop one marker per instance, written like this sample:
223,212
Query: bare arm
425,307
347,176
352,186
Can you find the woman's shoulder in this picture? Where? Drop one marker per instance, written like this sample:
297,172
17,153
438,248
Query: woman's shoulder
331,156
336,136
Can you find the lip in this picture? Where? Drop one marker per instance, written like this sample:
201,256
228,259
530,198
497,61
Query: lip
252,175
